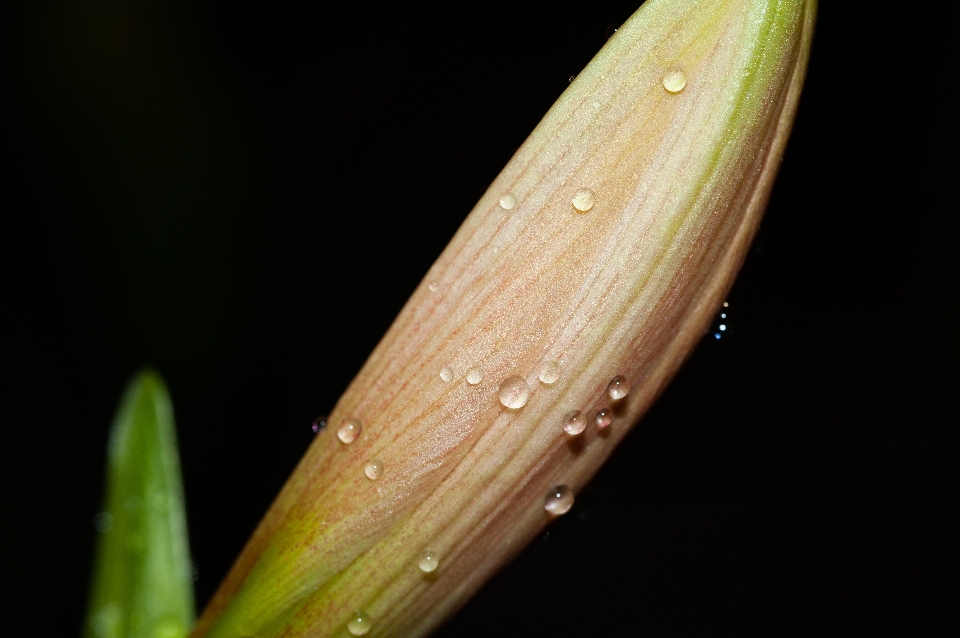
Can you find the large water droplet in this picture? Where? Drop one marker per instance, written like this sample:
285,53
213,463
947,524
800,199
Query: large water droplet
507,201
603,417
319,423
446,374
583,200
349,430
618,388
574,422
359,624
514,392
474,375
559,500
373,469
674,81
429,561
549,372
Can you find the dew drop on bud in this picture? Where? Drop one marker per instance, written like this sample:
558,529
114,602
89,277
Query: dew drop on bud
434,286
583,200
603,418
373,469
359,624
514,392
559,500
674,81
574,422
429,561
474,375
318,424
348,431
549,372
507,201
618,388
446,374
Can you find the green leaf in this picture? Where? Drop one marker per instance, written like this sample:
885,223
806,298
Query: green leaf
142,584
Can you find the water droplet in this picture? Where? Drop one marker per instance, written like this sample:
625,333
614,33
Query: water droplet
514,392
359,624
434,286
596,105
103,522
611,29
571,79
446,374
319,423
349,430
603,417
721,325
583,200
474,375
168,628
674,81
549,372
373,469
618,388
429,561
574,422
507,201
108,621
559,500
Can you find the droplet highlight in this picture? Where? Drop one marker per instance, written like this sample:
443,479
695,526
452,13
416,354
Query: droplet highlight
103,522
583,200
508,201
474,375
603,417
549,372
429,561
433,287
559,500
446,374
674,81
514,392
618,388
348,431
574,422
318,424
373,469
359,624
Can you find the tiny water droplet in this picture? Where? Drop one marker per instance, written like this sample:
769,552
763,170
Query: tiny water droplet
319,423
507,201
574,422
446,374
549,372
583,200
103,522
596,105
571,79
429,561
474,375
674,81
721,325
559,500
618,388
434,286
603,417
611,29
373,469
359,624
349,430
514,392
168,628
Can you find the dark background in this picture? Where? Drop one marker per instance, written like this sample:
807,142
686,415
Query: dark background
224,190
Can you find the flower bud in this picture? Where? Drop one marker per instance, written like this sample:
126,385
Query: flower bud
557,314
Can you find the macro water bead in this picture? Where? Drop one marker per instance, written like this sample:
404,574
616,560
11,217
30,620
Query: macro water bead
514,392
348,431
559,500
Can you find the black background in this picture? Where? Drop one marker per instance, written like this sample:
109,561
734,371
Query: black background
227,191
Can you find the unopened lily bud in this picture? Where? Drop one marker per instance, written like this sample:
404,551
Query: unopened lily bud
564,304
